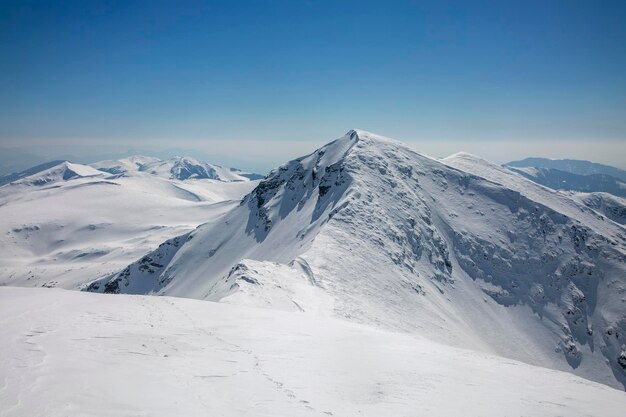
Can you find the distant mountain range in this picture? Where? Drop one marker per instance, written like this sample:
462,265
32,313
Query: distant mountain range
563,180
573,166
13,160
178,168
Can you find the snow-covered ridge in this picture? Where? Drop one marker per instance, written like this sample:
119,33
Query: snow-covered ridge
462,251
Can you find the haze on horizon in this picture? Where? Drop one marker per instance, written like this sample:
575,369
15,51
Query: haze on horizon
256,83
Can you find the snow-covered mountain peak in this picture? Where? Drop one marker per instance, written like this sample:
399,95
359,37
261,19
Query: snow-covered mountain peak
462,251
185,160
78,170
125,165
474,164
463,155
183,168
61,171
368,141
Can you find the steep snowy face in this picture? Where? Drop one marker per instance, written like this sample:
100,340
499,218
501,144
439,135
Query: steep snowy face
277,221
318,178
419,225
397,239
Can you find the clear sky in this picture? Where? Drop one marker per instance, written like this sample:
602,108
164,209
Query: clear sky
270,80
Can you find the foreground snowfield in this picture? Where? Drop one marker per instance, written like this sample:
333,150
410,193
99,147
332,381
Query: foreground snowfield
80,354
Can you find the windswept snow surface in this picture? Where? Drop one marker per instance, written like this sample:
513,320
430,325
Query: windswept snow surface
69,224
460,251
70,353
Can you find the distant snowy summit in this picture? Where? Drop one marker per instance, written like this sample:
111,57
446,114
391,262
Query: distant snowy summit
51,172
179,168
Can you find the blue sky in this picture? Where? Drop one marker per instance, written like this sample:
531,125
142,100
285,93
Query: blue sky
269,80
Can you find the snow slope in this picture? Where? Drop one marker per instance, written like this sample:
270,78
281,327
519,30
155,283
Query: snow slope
557,201
69,224
70,353
461,251
609,205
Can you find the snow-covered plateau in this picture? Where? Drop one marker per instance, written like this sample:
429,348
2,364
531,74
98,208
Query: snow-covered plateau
362,279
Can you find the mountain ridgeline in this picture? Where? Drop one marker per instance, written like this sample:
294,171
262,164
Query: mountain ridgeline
460,251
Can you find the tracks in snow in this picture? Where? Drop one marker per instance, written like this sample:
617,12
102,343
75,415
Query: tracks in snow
278,385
